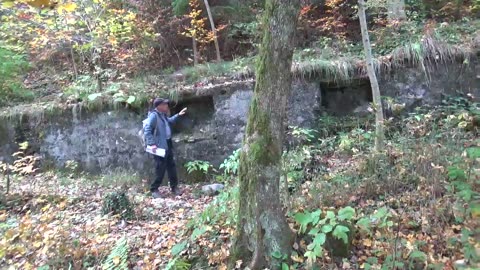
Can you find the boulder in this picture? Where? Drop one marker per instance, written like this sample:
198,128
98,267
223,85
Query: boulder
212,189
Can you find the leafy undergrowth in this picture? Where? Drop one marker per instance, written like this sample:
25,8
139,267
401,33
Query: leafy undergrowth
415,206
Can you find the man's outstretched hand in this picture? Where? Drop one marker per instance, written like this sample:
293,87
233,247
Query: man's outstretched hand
183,111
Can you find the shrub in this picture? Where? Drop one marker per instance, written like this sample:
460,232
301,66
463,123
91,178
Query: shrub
82,87
12,65
230,164
117,203
200,170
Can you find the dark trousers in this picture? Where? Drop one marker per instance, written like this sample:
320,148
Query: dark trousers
163,164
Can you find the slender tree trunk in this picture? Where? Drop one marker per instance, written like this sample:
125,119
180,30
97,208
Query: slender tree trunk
214,30
74,65
97,68
458,8
7,173
262,228
377,102
99,84
396,10
195,52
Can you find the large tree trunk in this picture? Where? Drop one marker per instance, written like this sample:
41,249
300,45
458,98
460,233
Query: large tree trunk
377,102
262,228
214,30
396,10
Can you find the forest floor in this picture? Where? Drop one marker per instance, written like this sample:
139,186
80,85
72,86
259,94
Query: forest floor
49,222
415,207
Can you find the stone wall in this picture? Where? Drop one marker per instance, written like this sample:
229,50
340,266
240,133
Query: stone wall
214,126
415,87
411,86
106,140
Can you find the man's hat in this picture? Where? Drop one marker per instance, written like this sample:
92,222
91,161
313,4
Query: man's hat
159,101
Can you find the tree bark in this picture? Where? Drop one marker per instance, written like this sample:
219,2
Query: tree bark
377,102
195,51
262,228
75,71
7,173
214,30
396,10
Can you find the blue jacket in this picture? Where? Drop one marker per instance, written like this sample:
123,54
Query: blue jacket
155,122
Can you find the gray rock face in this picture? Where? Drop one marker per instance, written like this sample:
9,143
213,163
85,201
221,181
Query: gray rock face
415,87
103,141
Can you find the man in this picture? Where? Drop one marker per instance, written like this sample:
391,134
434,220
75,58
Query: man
158,134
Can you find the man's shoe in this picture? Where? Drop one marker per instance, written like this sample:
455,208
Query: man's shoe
176,191
156,195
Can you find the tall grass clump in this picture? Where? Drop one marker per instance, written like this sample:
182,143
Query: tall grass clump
342,70
426,54
12,66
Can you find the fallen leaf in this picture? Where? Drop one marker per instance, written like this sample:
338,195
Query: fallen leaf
367,242
116,260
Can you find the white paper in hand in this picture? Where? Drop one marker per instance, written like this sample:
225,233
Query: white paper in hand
158,152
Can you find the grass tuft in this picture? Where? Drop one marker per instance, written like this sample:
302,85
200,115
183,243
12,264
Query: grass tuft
329,70
426,55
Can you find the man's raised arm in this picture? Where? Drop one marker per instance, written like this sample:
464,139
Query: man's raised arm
174,118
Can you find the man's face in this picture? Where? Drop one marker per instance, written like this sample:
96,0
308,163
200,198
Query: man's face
163,107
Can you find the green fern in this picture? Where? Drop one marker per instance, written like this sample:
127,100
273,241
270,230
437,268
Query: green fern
178,264
117,259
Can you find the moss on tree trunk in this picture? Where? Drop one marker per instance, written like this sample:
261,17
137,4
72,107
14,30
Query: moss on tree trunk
262,228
